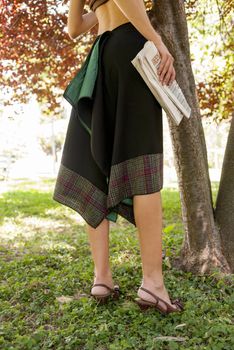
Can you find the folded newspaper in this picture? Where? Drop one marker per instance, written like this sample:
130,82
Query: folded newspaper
170,97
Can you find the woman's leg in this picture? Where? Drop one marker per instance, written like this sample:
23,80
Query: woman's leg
148,216
99,244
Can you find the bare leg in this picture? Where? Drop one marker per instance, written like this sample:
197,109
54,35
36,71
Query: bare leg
148,217
99,244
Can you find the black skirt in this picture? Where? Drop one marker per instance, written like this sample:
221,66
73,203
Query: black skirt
113,148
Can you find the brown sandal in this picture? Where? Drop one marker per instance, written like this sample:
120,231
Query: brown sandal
145,304
102,298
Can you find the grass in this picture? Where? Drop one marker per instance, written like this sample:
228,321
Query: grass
46,272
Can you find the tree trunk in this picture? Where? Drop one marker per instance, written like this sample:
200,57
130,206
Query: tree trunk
224,211
201,250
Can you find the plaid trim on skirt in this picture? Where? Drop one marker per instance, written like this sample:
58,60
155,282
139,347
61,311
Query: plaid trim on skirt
113,148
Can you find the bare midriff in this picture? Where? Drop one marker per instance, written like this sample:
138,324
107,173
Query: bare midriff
109,16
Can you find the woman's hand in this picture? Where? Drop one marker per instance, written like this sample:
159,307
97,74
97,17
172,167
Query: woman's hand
166,71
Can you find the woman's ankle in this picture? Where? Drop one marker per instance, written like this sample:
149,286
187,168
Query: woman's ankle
103,275
153,282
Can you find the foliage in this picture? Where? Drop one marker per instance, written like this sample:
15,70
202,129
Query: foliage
47,146
211,35
40,58
46,274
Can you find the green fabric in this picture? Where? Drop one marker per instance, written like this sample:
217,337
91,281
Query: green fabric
127,201
112,216
82,84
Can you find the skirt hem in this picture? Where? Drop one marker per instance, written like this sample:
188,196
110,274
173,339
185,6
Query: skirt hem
135,176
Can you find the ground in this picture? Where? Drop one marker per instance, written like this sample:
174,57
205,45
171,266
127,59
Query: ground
46,273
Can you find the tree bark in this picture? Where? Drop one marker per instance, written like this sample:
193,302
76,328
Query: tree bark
224,211
201,250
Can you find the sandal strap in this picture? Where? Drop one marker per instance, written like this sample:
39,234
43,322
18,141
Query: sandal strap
169,307
153,295
179,303
102,285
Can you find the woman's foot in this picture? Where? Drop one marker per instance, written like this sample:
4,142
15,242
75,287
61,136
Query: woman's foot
159,290
101,290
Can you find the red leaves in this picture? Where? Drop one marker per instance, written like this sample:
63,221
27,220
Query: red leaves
36,49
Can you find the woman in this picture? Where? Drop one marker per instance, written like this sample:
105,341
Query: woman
117,166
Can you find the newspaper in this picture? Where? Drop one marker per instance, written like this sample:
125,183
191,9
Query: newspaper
171,98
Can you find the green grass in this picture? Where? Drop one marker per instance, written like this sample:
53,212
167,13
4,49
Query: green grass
46,272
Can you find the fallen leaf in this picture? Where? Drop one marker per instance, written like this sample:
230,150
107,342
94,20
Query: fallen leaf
169,338
180,325
64,299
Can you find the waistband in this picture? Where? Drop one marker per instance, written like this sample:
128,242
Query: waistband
120,27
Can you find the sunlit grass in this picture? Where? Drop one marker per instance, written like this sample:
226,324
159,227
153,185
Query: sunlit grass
46,273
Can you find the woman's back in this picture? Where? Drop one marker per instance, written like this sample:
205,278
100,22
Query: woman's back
108,14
